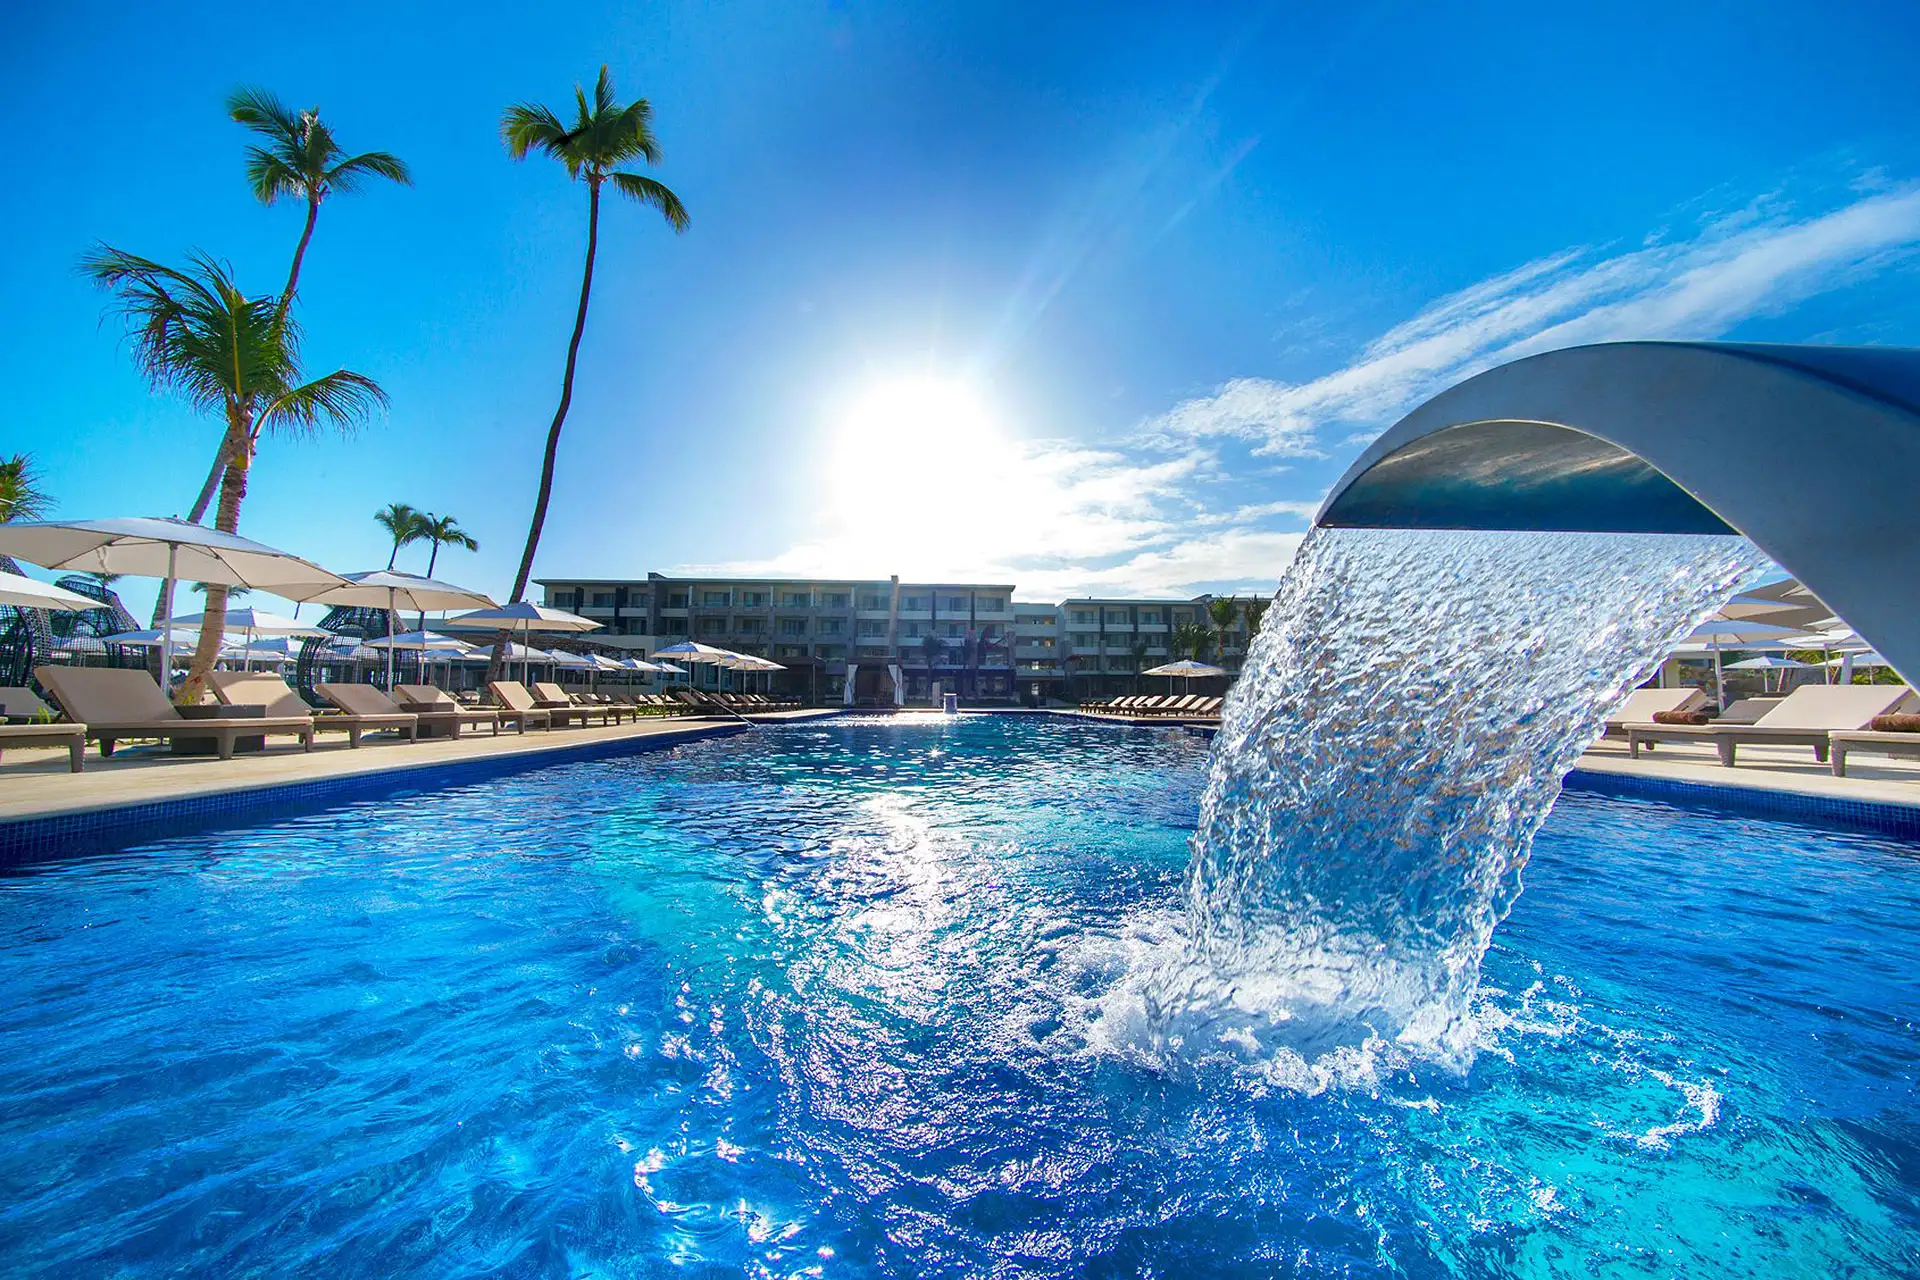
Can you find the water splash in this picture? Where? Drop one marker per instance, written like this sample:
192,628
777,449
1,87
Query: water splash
1395,741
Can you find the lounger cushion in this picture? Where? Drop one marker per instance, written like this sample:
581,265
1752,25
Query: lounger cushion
1679,717
1896,723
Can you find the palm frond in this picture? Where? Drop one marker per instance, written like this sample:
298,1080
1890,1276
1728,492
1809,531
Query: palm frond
270,177
260,111
639,187
342,400
602,92
21,497
350,174
528,126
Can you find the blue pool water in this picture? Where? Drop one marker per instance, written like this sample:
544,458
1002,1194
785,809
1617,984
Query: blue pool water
842,1000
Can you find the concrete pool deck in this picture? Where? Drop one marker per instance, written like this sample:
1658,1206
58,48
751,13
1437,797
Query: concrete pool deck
35,782
1788,770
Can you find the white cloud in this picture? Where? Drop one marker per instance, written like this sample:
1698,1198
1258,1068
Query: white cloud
1757,260
1060,518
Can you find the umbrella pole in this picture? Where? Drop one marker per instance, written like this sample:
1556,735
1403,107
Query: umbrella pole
1719,680
166,634
391,597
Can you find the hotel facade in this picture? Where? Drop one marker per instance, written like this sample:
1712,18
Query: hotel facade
968,638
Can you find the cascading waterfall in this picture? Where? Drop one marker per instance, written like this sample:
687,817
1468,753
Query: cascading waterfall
1396,739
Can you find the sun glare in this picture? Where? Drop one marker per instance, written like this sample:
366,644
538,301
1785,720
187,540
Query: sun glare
912,457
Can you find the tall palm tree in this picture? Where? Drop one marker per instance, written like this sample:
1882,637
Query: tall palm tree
604,135
300,159
197,333
1225,611
1189,640
21,497
404,524
1138,652
442,531
1256,612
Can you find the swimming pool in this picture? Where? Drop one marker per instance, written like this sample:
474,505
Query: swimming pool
836,999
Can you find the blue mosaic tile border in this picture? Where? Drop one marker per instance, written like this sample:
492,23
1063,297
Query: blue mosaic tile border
1874,817
97,831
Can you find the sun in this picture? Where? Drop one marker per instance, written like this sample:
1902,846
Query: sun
909,453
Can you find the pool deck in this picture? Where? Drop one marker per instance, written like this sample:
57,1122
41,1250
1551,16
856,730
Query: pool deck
35,783
1788,770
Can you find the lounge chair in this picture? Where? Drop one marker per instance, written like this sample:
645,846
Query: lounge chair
441,713
1847,742
117,703
556,701
517,702
18,703
1806,717
1746,710
240,689
1209,708
1643,704
71,736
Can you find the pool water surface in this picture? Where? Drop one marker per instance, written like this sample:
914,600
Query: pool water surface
839,999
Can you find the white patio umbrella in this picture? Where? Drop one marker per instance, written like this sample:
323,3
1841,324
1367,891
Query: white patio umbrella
22,592
693,652
520,617
1768,662
251,622
1716,631
163,547
392,590
1187,668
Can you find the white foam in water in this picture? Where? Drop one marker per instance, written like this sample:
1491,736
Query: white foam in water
1396,739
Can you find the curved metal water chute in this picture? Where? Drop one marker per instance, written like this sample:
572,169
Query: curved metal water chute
1810,452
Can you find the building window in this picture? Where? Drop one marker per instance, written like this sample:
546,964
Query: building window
872,602
954,604
750,626
563,599
713,626
603,599
834,600
909,631
873,627
714,597
830,652
1150,617
793,626
795,599
673,626
676,599
870,651
752,599
1084,617
831,627
1086,640
917,604
990,604
1116,617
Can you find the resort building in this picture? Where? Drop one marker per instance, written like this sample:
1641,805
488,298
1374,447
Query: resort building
968,638
956,635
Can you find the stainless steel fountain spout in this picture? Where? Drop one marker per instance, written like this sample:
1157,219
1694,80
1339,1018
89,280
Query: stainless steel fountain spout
1811,452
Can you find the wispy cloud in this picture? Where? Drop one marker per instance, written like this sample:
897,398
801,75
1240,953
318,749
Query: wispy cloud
1147,517
1758,260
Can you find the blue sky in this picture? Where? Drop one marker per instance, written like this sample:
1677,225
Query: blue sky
1084,298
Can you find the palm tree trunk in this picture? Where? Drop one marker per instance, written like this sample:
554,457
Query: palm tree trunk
214,474
213,625
559,416
433,558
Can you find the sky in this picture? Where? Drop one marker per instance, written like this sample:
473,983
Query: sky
1088,299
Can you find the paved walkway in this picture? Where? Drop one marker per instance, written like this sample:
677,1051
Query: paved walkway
1880,779
35,783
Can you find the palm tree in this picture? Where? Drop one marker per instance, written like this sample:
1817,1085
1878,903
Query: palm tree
1256,612
403,524
1190,640
604,135
197,333
443,531
21,497
1225,611
1138,651
301,159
